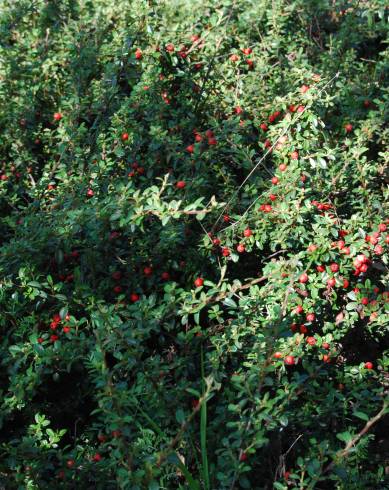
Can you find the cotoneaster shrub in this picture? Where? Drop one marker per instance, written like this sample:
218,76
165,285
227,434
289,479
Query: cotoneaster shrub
194,244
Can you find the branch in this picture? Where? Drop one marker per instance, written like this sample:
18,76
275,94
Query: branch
369,424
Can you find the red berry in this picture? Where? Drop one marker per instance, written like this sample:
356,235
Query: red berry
195,404
325,345
348,127
304,88
311,340
365,301
274,180
134,297
303,329
216,242
378,249
57,116
169,47
97,457
331,282
310,317
346,283
247,232
190,148
294,155
368,365
66,329
148,271
363,268
303,278
334,267
278,355
89,193
326,358
320,268
138,54
70,463
199,282
240,248
181,184
116,276
273,197
234,58
125,136
282,167
165,276
243,456
299,309
247,51
382,227
264,127
40,340
226,252
289,360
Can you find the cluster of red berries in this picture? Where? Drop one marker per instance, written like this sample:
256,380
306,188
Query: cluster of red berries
55,323
136,170
322,206
246,51
209,135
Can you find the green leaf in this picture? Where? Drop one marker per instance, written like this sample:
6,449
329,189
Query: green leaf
361,415
229,302
34,284
344,436
180,416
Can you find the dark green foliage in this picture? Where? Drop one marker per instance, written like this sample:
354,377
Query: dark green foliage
134,157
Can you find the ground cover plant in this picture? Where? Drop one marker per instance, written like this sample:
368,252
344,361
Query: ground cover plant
194,244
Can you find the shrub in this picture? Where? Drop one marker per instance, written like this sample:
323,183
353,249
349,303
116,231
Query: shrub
194,245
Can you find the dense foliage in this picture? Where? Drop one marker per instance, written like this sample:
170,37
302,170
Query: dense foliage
193,244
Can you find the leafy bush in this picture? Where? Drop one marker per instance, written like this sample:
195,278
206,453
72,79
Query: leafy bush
194,246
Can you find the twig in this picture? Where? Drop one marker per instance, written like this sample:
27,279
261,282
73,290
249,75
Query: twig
369,424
